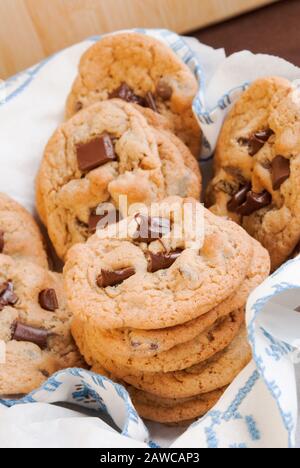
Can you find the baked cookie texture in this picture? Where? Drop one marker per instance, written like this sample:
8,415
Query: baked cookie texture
168,411
103,152
19,234
257,166
199,274
34,325
132,345
164,314
141,70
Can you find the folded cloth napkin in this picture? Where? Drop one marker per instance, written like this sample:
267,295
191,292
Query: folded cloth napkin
260,408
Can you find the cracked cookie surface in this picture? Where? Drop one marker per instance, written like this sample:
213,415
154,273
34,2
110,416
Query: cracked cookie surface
258,166
142,70
122,279
19,234
102,153
34,325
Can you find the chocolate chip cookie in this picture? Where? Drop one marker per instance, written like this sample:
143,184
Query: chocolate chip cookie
143,273
105,152
210,375
19,234
141,70
258,164
133,343
34,325
199,349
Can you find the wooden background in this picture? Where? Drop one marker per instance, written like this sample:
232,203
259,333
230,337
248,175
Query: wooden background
33,29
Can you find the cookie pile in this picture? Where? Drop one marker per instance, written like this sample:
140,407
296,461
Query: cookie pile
35,322
257,167
165,314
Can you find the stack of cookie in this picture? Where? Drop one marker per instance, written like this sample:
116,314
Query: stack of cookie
35,336
164,313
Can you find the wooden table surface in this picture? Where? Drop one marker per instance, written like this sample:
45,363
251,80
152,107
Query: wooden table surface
33,29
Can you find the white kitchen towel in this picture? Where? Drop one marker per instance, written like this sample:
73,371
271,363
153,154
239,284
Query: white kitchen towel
260,408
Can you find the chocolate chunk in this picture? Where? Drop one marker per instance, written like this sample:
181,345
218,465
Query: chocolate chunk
256,141
151,229
113,278
162,261
150,102
37,336
78,106
1,241
281,171
238,199
254,202
104,220
127,94
297,309
164,90
7,295
264,135
95,153
48,300
254,145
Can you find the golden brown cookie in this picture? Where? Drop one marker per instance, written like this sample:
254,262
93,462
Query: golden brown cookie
210,375
19,234
257,166
105,152
133,343
142,274
141,70
34,325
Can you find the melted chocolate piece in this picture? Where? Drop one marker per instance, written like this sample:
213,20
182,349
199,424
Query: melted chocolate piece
164,90
7,295
151,229
104,220
95,153
254,202
162,261
113,278
238,199
1,241
127,94
281,171
256,141
34,335
48,300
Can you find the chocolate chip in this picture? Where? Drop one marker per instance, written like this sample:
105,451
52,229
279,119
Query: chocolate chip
127,94
238,199
95,153
7,295
281,171
164,90
34,335
113,278
48,300
78,106
254,202
151,229
297,309
264,135
103,220
161,261
256,141
1,241
150,102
